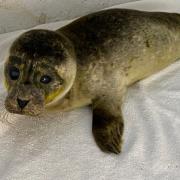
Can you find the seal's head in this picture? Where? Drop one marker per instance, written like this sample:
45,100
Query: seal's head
40,69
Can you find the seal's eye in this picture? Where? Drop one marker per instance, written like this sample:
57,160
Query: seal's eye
14,73
45,79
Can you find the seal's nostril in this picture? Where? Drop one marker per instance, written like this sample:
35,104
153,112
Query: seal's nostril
22,103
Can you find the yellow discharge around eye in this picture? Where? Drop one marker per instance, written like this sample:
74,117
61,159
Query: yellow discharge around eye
50,97
6,84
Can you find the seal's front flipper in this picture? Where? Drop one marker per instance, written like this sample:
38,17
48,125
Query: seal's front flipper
107,129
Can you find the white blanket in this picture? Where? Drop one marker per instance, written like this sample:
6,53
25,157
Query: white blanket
20,14
61,146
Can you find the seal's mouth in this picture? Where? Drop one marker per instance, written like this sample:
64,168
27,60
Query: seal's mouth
23,112
25,100
23,107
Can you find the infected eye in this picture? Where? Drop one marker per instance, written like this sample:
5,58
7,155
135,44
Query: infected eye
14,73
45,79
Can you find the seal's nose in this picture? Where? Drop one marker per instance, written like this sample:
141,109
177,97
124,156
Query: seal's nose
22,103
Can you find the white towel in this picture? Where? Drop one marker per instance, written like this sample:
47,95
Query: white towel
61,146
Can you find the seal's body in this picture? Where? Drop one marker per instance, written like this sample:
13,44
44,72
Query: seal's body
95,58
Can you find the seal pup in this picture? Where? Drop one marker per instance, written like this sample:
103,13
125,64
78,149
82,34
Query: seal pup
92,60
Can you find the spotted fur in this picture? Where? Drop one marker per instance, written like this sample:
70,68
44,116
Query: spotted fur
92,60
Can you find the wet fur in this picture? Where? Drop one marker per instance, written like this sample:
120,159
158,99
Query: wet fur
112,50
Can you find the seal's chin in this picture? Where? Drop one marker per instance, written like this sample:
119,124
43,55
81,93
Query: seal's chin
23,112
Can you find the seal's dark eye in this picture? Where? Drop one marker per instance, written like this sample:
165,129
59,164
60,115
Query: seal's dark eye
45,79
14,73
